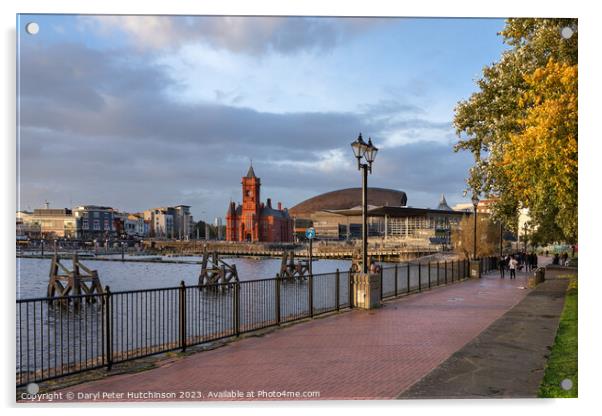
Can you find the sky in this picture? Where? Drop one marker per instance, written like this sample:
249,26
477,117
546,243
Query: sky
136,112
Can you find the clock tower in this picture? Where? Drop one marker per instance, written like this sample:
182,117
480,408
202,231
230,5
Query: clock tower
251,185
253,220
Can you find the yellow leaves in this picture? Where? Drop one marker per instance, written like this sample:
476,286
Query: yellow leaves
544,151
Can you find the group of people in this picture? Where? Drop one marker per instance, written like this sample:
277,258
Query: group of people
517,261
561,260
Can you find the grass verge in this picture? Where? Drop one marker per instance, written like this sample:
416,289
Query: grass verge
562,364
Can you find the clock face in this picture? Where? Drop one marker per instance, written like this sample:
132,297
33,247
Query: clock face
249,192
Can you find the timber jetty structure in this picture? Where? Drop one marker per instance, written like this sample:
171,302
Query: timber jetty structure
322,250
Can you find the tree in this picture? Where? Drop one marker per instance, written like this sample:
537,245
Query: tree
521,126
488,236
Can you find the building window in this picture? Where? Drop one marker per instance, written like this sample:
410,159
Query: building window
96,214
85,224
107,227
96,225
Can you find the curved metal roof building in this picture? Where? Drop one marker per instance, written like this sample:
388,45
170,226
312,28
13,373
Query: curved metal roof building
349,198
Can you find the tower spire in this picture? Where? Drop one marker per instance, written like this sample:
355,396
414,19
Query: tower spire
251,172
443,204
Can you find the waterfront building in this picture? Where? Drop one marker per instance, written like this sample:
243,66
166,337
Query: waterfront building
161,222
147,227
55,222
26,227
254,220
119,223
133,225
46,223
94,222
464,207
140,227
483,207
337,215
183,222
170,222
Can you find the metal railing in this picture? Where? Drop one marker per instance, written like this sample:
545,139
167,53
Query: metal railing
57,337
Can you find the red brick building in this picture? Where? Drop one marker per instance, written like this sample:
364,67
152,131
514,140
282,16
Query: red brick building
254,220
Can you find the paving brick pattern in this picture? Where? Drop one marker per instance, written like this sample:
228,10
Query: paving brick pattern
508,359
353,355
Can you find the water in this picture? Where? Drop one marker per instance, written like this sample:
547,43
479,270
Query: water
32,274
54,339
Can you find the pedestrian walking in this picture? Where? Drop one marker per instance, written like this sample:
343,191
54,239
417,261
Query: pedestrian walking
502,266
512,266
565,259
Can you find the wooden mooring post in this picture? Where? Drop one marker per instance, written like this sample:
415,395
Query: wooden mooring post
80,280
216,271
290,270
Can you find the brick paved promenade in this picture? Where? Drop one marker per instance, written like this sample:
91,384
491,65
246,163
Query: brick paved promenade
509,358
354,355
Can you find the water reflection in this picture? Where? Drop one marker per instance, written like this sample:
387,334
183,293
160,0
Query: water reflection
32,274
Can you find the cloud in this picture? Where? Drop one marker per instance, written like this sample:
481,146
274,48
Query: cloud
97,127
75,77
247,34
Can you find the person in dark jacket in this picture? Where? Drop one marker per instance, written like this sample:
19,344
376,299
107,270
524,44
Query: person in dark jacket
502,266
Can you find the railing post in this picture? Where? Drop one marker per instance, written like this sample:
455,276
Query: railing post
429,274
445,271
408,291
278,299
419,277
396,280
350,283
310,294
381,283
109,327
437,272
236,308
182,315
336,289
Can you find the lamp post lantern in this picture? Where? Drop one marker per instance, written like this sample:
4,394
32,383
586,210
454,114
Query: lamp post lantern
475,203
366,151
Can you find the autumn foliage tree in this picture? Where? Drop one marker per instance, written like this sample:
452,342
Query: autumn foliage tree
521,126
488,237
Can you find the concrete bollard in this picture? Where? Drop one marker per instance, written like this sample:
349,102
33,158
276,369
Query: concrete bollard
366,290
475,269
537,277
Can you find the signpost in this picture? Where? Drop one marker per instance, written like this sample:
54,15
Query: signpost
310,233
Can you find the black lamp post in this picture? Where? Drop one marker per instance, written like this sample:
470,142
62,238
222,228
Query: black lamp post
368,152
501,239
475,203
